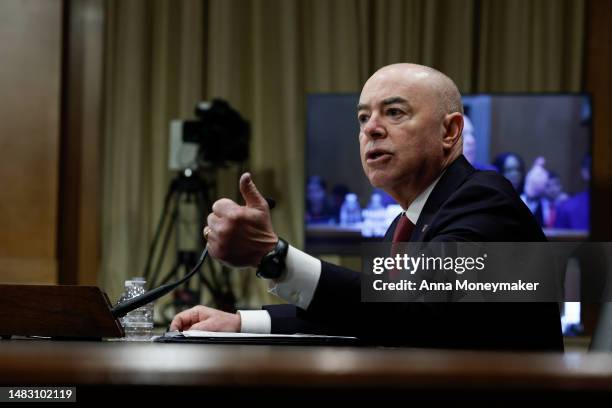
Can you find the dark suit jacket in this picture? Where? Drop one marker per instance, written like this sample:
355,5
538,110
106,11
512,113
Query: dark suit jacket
465,205
574,212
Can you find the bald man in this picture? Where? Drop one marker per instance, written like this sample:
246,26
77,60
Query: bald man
411,121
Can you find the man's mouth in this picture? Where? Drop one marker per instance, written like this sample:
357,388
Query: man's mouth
376,156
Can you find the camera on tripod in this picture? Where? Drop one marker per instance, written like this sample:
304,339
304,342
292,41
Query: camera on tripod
218,136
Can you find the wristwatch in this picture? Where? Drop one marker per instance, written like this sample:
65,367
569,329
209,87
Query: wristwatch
272,265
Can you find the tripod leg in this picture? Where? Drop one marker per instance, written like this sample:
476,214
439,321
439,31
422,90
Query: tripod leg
172,272
205,282
158,229
164,249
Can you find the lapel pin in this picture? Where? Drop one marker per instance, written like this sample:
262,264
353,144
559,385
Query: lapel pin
424,228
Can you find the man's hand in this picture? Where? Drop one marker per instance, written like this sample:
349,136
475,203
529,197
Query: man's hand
206,318
241,235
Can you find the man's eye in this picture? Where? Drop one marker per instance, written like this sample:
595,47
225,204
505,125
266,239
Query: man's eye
394,112
363,118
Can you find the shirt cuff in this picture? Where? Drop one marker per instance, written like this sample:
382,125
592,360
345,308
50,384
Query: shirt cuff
300,280
255,321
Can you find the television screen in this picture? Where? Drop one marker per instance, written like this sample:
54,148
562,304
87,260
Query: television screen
539,142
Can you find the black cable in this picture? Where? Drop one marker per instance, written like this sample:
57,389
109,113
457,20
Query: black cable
154,294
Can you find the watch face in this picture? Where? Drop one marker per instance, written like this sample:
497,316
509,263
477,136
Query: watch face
271,268
273,264
269,273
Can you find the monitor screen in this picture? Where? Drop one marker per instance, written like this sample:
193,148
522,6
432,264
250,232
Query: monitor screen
539,142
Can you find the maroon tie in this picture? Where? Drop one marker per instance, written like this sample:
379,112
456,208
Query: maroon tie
402,233
403,229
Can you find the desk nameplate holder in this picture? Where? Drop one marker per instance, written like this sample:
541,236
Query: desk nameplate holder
60,311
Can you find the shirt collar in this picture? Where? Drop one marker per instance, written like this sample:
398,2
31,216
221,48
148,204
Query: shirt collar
414,210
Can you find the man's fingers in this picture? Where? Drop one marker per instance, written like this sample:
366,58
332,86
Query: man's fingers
252,196
185,319
178,323
222,322
223,206
174,325
212,221
206,325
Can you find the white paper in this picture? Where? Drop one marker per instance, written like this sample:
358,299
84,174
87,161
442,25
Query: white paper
209,334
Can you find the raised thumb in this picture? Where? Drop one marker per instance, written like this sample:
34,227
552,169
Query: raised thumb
251,195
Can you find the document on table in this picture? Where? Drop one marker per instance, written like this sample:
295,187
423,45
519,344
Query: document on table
199,336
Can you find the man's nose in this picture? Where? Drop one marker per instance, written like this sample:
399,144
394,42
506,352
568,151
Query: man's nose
374,129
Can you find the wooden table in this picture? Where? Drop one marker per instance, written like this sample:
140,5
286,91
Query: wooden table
235,372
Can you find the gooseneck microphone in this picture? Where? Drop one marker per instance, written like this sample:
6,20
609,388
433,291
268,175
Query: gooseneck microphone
134,303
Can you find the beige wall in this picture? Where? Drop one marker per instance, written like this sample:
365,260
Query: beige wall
30,73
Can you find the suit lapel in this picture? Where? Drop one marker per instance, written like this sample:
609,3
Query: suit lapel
453,177
391,230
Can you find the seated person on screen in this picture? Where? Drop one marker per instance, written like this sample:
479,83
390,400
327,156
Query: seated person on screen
555,195
511,166
470,145
338,195
554,188
411,119
534,193
573,213
317,205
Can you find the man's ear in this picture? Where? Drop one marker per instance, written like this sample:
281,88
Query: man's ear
453,126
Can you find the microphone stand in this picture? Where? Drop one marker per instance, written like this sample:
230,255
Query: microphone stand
154,294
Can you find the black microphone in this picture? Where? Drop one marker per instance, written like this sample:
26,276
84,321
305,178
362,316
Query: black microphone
134,303
271,202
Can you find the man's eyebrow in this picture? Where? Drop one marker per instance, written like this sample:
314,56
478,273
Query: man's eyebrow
389,101
393,100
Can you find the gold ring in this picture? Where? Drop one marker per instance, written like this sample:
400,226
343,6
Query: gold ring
206,232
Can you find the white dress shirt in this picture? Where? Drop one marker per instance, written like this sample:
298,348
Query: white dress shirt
300,280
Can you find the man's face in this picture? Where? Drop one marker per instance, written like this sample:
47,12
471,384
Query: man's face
513,172
401,129
315,193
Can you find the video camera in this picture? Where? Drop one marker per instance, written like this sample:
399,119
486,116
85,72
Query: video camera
219,135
